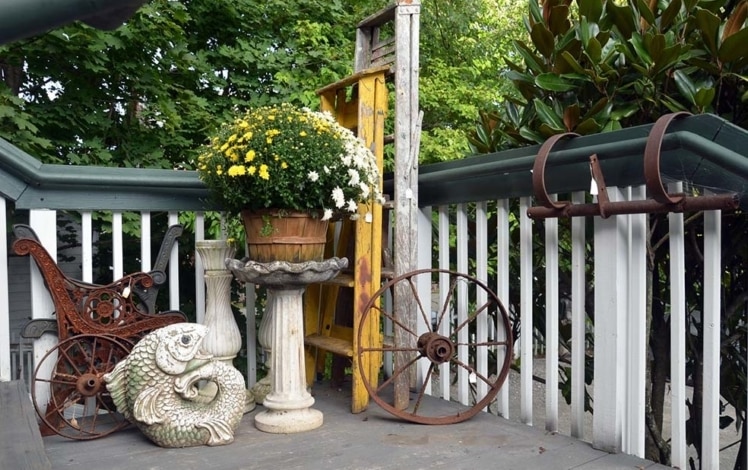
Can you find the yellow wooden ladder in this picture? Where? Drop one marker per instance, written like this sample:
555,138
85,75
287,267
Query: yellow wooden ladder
333,310
386,52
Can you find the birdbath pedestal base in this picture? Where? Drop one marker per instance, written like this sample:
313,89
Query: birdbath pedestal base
289,404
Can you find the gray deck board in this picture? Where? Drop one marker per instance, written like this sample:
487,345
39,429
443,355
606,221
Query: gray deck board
370,440
21,446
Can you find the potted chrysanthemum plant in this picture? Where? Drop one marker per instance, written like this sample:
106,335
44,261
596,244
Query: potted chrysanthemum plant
289,171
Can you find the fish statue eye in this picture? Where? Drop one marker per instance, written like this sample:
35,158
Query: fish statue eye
185,339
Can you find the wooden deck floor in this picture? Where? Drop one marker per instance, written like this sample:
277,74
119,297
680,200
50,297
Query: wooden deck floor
370,440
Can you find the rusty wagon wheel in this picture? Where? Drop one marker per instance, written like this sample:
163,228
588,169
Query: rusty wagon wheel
78,404
461,333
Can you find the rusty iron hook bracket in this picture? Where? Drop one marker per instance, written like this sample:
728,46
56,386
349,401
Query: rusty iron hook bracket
660,202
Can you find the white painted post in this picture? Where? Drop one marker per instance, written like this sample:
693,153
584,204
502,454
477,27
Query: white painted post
145,241
578,319
200,272
551,324
481,263
117,246
44,223
677,340
444,327
5,374
174,267
86,247
463,394
423,261
502,291
711,319
637,329
526,301
610,361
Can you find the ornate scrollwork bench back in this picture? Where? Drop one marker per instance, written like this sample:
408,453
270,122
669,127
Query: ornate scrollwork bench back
116,309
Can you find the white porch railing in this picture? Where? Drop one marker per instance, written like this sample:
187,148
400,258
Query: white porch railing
483,228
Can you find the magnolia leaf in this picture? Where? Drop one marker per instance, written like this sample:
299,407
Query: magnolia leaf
597,107
734,47
735,21
530,135
612,125
673,105
645,11
624,112
709,24
670,13
542,38
590,9
588,126
655,46
569,59
559,20
535,13
547,131
638,43
594,50
554,82
548,115
622,17
685,85
571,116
704,96
531,60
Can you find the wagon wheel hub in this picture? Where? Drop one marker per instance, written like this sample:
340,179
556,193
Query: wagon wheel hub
88,385
437,348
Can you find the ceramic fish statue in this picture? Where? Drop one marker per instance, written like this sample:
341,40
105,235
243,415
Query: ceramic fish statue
155,387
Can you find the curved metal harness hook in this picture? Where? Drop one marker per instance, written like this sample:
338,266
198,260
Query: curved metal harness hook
660,201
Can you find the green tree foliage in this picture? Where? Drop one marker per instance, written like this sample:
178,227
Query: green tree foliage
147,93
464,44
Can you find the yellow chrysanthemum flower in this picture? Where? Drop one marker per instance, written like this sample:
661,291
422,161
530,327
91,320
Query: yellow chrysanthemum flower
237,170
264,173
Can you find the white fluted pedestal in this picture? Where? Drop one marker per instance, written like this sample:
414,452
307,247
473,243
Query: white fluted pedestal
289,404
224,339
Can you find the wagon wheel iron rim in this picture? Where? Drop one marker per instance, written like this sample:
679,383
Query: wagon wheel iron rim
78,365
451,342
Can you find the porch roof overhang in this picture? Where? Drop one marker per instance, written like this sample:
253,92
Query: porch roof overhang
703,149
24,18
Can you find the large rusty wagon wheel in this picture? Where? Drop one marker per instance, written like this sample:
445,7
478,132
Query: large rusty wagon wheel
463,333
78,405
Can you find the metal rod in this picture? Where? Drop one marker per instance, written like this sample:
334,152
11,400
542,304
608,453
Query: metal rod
647,206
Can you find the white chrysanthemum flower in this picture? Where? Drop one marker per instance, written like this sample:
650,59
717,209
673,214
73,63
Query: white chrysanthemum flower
355,178
354,216
327,215
364,188
368,218
326,169
313,176
352,205
338,197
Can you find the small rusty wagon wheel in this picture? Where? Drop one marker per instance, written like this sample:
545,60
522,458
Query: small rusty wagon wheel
459,334
78,404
